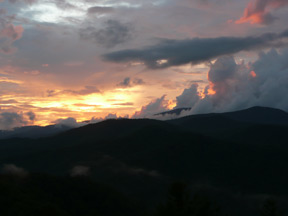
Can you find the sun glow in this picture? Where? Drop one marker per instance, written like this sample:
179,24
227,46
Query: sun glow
81,107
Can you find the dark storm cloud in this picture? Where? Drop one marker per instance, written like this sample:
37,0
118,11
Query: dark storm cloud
112,34
178,52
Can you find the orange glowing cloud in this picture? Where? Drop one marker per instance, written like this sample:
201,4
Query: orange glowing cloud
258,11
253,74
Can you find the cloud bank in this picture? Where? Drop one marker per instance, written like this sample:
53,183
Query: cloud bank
10,120
240,86
179,52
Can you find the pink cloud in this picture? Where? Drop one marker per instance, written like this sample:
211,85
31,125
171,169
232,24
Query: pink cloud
258,11
9,33
12,32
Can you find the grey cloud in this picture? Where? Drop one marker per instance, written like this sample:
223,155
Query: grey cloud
70,122
85,91
8,101
11,169
157,106
117,166
138,81
224,68
8,34
124,104
64,5
188,98
127,82
80,171
99,10
9,120
261,83
109,116
178,52
31,115
25,1
112,34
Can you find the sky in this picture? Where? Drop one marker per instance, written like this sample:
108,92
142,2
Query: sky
88,60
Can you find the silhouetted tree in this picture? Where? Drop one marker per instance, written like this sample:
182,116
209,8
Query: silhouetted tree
180,203
269,208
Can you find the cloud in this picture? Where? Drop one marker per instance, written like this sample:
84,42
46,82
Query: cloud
85,91
222,69
117,167
9,120
179,52
127,82
157,106
240,86
11,101
70,122
124,104
80,171
99,10
8,34
112,34
11,169
188,98
31,115
258,11
25,1
109,116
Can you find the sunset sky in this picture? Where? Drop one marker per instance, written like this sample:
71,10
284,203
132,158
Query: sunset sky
90,59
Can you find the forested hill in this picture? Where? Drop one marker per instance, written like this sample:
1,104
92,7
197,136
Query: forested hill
236,159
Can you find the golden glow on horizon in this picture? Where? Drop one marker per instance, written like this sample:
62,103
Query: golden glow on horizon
81,107
171,104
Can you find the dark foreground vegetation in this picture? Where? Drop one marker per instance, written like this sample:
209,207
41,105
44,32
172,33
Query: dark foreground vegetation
46,195
217,164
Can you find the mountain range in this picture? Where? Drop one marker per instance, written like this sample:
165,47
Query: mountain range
238,157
